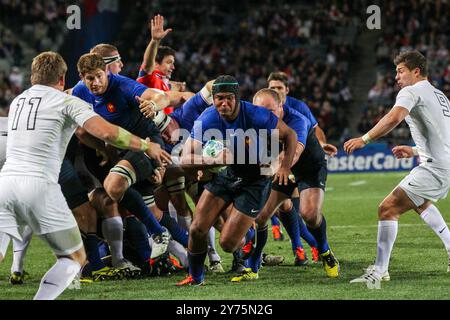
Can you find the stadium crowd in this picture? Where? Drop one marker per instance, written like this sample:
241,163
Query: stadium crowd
301,40
408,25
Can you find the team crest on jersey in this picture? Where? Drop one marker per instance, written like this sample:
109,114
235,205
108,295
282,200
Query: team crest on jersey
111,108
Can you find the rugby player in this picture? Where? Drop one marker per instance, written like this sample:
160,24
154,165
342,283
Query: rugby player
310,171
42,120
427,112
239,184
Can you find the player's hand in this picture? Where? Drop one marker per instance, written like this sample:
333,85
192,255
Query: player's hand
353,144
155,151
178,86
147,107
157,28
224,157
283,176
401,152
329,149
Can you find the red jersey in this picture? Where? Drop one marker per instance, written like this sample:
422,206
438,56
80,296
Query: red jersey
156,80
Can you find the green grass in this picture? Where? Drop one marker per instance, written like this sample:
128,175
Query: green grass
418,262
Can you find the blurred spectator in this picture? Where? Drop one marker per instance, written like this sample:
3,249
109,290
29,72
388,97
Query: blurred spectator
409,24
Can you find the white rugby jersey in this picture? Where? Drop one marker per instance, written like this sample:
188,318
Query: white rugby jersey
41,122
429,122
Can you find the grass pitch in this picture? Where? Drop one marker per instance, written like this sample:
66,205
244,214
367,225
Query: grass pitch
418,262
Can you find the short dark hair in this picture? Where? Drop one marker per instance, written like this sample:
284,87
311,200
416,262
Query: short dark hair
279,76
90,62
269,92
164,51
413,59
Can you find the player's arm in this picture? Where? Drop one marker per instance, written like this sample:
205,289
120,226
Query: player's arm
401,152
289,138
192,156
383,127
152,101
122,139
329,149
93,143
156,26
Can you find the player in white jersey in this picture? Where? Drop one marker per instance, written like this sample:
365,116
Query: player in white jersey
41,121
427,112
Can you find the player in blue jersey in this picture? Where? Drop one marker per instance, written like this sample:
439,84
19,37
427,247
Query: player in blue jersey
279,82
173,187
309,168
239,184
114,98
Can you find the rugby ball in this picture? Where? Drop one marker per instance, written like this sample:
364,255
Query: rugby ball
212,148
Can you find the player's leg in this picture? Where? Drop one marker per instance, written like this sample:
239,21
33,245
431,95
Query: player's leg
4,243
290,219
50,217
311,202
194,191
304,232
431,215
277,233
389,211
68,248
414,192
117,185
208,209
174,182
19,251
112,224
76,195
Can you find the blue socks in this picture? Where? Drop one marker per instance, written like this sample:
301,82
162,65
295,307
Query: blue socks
304,232
133,202
138,236
254,261
290,222
93,255
196,265
320,234
275,221
178,234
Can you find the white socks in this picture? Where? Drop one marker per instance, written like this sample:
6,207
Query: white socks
434,220
213,256
387,232
20,249
4,243
185,222
112,229
57,279
179,251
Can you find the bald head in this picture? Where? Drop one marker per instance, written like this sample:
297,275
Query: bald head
270,100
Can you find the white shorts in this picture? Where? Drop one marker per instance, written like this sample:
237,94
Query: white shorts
426,183
35,202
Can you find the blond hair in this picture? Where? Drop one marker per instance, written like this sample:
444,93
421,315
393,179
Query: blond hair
104,49
47,68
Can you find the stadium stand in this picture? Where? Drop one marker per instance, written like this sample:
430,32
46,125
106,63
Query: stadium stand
311,43
424,28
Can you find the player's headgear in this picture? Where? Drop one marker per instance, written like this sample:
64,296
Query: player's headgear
226,83
111,59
